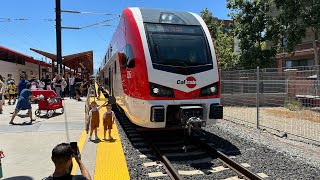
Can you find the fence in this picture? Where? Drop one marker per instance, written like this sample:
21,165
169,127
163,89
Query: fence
278,100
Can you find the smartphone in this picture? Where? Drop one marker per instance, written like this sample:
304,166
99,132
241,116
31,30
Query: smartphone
74,147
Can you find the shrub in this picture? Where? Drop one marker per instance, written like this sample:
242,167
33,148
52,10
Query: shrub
293,105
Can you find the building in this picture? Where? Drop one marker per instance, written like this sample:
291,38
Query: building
303,54
15,63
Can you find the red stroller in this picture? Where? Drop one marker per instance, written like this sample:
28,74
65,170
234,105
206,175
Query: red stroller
47,101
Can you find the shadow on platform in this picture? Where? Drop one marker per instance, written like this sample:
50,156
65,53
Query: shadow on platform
26,123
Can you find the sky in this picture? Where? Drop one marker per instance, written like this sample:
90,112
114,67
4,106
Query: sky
26,24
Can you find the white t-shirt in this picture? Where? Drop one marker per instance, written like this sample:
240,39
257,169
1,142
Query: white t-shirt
94,109
111,112
71,81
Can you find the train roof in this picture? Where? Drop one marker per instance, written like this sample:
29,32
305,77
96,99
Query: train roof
177,17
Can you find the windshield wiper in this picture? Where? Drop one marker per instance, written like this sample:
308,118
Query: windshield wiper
179,62
157,51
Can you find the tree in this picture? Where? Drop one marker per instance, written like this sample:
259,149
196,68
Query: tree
255,27
297,17
223,41
210,22
224,45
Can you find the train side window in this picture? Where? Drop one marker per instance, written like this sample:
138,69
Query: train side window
123,57
131,60
115,67
127,56
106,81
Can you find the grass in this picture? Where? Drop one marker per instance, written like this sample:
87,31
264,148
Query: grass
304,114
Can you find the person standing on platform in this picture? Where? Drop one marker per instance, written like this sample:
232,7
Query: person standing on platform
41,83
47,83
94,119
63,86
72,86
2,86
24,103
78,83
34,83
12,88
3,90
57,82
22,83
108,120
9,79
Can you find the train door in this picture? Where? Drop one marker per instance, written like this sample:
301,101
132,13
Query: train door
110,81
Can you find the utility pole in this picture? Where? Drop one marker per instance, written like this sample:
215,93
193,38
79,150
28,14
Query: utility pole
58,35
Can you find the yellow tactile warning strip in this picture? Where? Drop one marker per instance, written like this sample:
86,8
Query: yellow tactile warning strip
110,160
81,142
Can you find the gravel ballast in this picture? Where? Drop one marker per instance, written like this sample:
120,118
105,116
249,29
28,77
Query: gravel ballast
276,157
265,153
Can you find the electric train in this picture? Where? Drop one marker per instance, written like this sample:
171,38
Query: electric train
162,70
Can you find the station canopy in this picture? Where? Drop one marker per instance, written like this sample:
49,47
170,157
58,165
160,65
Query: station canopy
73,61
10,55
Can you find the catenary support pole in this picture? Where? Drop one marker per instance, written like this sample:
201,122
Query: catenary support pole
258,95
58,35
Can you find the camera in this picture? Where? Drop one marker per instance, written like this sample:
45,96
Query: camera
74,147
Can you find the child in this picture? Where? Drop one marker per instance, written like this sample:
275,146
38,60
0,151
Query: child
12,92
108,120
94,118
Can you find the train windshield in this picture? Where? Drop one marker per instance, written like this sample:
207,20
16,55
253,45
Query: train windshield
178,45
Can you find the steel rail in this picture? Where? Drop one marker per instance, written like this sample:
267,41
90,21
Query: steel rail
226,160
168,166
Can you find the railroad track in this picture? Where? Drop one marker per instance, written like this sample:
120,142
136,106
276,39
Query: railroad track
172,154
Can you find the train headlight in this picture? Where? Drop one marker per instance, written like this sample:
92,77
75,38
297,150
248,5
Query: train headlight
166,17
157,90
210,90
213,89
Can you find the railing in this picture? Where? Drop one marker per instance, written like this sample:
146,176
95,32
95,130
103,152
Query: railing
285,101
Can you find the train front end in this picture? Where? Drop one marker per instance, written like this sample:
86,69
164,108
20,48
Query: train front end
182,71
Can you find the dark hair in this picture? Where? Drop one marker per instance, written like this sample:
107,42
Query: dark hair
28,85
61,153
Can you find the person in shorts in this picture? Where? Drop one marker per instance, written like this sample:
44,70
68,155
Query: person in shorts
12,89
108,120
24,103
94,119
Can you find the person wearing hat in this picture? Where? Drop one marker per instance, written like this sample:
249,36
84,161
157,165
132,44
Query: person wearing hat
108,120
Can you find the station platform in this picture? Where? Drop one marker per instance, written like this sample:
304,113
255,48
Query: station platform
28,146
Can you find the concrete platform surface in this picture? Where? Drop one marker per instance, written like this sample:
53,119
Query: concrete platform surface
28,146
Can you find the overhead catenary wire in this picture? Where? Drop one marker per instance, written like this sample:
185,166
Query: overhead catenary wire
79,12
94,24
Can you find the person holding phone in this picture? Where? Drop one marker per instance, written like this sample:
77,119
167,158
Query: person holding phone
62,158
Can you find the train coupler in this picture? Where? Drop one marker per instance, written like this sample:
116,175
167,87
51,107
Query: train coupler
191,116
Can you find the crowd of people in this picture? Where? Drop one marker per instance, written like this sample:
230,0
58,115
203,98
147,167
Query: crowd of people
72,86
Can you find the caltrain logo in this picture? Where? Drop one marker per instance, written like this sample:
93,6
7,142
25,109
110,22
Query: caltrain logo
190,82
